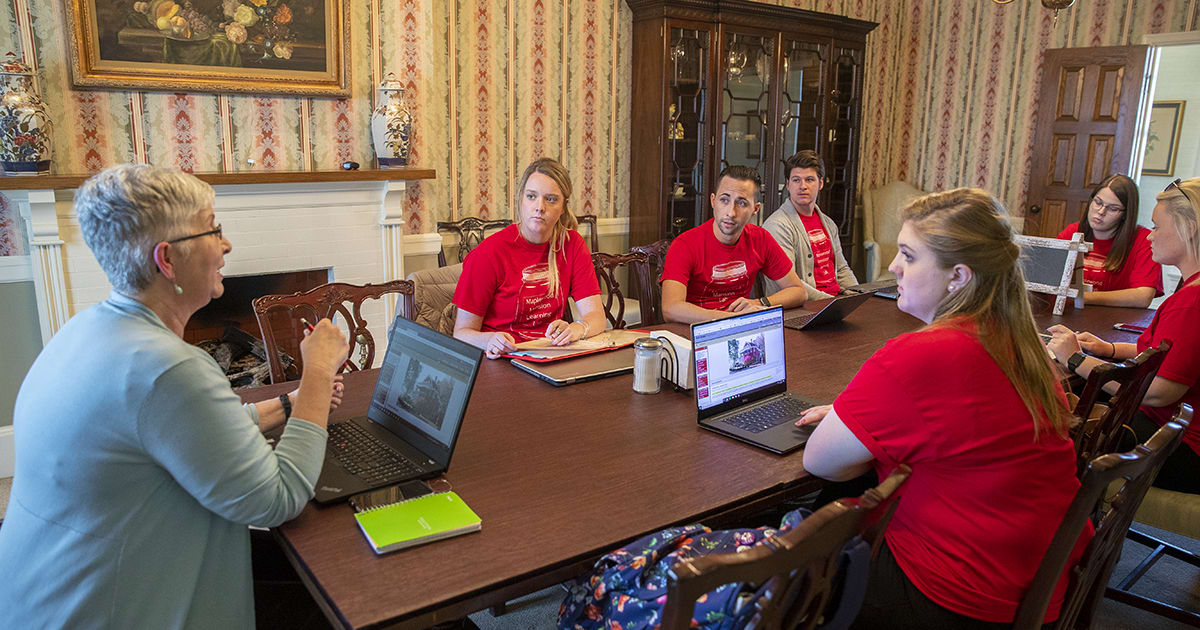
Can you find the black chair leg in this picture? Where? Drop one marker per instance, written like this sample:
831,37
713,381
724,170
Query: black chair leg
1121,592
1168,611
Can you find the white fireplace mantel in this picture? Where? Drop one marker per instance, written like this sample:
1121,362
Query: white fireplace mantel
350,223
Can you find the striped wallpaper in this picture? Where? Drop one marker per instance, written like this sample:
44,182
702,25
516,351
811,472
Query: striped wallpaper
950,96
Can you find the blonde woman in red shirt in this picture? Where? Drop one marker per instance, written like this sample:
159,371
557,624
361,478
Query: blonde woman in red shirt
515,284
971,402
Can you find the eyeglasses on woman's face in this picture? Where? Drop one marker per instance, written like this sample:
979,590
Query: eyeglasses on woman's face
216,230
1106,208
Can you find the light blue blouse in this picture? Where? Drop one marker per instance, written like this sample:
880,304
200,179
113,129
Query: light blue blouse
138,471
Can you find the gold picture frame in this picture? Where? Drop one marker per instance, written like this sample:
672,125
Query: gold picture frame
288,47
1162,138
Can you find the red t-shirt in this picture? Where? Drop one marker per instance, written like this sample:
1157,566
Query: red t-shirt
1139,269
1178,319
716,274
824,266
984,499
505,280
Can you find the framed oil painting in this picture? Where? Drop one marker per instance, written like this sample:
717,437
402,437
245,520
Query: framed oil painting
1162,140
295,47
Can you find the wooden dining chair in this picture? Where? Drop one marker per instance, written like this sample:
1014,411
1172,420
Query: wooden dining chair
1089,577
470,231
1176,512
279,319
589,220
797,567
646,278
1100,433
610,287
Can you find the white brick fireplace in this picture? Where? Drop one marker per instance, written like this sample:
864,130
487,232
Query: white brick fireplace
353,229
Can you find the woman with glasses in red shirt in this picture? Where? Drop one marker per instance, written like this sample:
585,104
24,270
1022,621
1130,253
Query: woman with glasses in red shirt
1119,269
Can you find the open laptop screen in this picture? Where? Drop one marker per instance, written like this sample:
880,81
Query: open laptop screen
739,359
424,385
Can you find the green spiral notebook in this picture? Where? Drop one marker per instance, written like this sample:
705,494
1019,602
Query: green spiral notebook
417,521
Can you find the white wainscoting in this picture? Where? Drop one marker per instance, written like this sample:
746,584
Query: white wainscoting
15,269
6,452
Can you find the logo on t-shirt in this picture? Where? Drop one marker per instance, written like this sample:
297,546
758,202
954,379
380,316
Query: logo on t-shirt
1093,270
728,280
535,309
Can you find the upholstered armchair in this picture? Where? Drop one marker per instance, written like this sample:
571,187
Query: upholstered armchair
881,225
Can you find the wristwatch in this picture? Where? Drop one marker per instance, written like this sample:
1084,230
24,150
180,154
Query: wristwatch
765,301
286,401
1074,361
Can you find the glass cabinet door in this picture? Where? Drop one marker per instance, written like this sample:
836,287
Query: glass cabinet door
744,134
687,89
841,164
802,104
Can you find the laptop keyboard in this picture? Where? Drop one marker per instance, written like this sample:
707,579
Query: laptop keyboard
365,457
799,320
763,417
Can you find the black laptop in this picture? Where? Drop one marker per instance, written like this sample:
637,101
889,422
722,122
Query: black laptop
833,311
741,381
411,426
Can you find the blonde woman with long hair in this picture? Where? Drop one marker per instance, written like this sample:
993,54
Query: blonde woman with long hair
970,402
515,284
1175,240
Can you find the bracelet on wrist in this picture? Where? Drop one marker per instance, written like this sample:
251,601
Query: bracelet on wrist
1113,354
586,327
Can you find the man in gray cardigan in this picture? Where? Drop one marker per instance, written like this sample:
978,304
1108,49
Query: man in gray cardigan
807,235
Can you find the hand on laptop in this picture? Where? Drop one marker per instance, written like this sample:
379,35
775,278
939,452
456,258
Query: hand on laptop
813,415
499,343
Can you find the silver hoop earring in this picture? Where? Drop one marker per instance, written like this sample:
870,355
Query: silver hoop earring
178,290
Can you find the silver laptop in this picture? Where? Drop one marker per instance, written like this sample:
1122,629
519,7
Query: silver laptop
741,381
412,424
580,369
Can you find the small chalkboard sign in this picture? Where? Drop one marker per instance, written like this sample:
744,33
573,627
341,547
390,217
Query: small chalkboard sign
1049,265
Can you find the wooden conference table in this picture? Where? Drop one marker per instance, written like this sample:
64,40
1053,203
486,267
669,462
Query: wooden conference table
562,475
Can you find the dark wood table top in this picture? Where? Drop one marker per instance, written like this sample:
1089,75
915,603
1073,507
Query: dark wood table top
562,475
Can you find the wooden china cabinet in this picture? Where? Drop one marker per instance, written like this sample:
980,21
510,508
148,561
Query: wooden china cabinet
721,82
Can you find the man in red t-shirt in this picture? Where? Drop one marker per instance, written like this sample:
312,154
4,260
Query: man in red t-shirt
710,269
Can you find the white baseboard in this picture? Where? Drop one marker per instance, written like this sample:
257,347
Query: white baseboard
6,451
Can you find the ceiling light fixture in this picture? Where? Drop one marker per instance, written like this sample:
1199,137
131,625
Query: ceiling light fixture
1053,5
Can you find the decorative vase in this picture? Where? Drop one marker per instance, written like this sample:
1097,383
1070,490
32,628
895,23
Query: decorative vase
391,125
24,124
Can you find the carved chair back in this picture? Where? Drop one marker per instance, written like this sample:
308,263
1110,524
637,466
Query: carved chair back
1099,435
279,319
647,280
798,566
470,232
610,288
1090,576
589,220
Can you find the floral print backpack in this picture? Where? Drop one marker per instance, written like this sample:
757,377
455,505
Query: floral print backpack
627,588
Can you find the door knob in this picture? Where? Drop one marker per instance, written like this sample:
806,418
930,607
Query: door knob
1035,209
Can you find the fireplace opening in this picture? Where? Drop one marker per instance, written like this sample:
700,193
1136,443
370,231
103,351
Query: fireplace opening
227,329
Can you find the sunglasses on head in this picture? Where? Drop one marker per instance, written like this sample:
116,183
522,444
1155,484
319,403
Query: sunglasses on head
1176,185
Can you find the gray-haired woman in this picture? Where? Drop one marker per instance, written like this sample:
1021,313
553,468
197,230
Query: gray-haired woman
137,467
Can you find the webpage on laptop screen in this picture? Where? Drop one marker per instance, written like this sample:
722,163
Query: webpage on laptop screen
426,384
737,356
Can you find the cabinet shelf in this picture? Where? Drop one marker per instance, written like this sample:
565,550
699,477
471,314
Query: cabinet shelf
715,24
